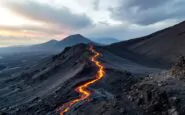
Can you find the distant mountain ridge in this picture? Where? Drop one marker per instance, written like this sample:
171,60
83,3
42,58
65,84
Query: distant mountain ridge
105,41
68,41
74,39
50,46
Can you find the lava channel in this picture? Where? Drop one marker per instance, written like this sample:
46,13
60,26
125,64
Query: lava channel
83,89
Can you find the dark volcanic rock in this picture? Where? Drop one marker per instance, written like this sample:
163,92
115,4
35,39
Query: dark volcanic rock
150,98
178,71
2,113
162,93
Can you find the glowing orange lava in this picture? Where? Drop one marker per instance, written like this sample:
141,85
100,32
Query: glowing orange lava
83,89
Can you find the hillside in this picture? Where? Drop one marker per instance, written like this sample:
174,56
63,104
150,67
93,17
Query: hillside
165,45
44,87
127,88
14,60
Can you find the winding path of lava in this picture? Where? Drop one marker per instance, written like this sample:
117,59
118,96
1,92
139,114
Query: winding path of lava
83,89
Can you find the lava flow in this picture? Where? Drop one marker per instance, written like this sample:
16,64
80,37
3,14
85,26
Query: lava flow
83,89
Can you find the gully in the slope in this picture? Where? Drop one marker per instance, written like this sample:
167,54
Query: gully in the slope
83,89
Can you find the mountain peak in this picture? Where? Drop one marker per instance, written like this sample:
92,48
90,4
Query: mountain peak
76,36
52,41
79,35
74,39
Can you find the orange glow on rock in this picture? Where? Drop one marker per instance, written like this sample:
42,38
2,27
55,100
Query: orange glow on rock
83,89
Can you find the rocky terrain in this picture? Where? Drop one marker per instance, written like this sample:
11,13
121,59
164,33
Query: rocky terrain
46,86
161,93
134,83
156,94
126,89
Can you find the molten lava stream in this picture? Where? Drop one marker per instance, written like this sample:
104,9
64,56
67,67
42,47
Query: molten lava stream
83,89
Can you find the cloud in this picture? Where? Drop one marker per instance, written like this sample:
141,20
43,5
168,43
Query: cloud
28,30
125,31
15,41
96,4
146,12
47,14
124,19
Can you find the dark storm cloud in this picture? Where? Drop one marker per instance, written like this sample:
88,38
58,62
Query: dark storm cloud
45,13
145,12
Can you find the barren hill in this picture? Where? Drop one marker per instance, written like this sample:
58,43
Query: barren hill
165,45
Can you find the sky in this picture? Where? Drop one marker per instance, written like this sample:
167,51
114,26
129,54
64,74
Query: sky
24,22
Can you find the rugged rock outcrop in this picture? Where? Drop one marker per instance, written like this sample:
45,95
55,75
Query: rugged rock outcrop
162,93
178,71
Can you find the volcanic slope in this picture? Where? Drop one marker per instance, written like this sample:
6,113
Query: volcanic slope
32,87
165,45
49,84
